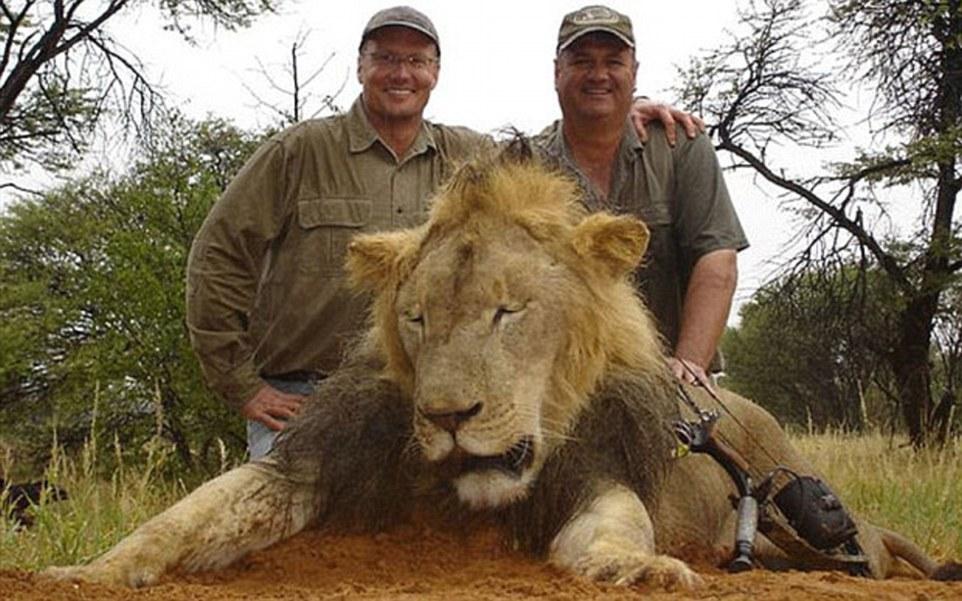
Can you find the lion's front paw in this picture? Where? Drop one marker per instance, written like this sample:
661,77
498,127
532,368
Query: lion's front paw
609,564
135,578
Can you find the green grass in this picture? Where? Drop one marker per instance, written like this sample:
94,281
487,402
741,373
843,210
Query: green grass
918,494
101,509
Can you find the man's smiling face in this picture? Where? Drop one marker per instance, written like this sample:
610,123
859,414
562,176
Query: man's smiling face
396,90
595,77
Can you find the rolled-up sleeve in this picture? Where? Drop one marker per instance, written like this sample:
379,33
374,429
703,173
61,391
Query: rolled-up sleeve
707,220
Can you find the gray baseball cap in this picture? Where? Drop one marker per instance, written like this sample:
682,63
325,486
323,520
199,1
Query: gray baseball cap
402,16
591,19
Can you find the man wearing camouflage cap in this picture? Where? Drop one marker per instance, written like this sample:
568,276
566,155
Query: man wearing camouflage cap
267,311
689,274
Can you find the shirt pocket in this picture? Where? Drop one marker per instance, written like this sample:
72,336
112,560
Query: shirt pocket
660,257
326,227
654,214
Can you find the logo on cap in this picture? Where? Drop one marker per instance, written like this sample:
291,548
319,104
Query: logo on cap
595,15
591,19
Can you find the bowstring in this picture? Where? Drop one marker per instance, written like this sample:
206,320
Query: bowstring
698,411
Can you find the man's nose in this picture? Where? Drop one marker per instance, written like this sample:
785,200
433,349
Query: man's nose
598,71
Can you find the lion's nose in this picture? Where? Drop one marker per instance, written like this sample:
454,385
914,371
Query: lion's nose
451,420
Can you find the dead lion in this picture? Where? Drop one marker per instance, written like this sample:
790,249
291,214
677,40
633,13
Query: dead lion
511,373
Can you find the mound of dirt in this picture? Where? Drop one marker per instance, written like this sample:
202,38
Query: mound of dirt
425,564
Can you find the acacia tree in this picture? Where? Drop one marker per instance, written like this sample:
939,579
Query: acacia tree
61,72
777,85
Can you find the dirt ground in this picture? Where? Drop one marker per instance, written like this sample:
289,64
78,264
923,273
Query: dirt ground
418,563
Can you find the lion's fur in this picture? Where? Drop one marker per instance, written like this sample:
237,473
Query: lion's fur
373,477
612,377
618,438
360,425
353,458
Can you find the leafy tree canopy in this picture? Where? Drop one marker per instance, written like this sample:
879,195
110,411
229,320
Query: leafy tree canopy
92,330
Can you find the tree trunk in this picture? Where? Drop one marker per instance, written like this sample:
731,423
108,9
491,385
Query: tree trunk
942,415
910,364
911,356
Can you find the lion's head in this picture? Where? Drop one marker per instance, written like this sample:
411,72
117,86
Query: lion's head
501,315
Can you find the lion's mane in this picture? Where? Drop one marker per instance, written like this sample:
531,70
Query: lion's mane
612,377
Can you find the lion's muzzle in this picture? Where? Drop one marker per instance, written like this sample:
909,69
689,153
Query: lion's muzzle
450,421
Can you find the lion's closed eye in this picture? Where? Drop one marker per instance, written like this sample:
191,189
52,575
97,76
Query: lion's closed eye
507,313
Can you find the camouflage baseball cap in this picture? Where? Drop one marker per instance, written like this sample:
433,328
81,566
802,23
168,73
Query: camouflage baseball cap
591,19
403,16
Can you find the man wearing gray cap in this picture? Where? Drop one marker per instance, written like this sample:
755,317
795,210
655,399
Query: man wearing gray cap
689,274
266,309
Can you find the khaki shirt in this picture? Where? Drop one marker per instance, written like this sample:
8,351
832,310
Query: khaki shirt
265,282
678,192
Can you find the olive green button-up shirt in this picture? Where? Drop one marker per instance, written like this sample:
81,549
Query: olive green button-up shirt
679,193
265,282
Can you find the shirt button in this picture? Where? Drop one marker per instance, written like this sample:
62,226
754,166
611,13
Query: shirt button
400,210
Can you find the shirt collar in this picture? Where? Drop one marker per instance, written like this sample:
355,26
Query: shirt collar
557,147
362,135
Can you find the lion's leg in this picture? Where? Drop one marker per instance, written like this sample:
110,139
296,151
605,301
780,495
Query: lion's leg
245,509
756,434
613,539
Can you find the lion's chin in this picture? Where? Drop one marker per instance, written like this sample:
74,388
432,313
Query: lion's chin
489,489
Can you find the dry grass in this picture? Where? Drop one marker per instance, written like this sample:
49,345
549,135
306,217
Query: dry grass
101,508
916,493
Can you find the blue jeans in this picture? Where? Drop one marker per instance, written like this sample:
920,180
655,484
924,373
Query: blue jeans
260,438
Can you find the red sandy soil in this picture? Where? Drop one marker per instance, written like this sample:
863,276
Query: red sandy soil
423,564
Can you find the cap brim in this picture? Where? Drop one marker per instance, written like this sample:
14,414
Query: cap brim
627,41
426,32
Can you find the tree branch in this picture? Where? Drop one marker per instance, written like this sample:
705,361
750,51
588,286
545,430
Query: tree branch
888,262
50,45
19,188
14,23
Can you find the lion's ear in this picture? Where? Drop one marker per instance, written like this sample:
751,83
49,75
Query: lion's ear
373,260
617,242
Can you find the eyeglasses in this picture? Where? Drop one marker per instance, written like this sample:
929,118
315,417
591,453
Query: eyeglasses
416,62
585,64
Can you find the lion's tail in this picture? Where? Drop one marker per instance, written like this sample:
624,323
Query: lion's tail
904,549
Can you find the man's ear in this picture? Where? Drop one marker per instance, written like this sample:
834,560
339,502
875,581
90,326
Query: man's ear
615,243
375,260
